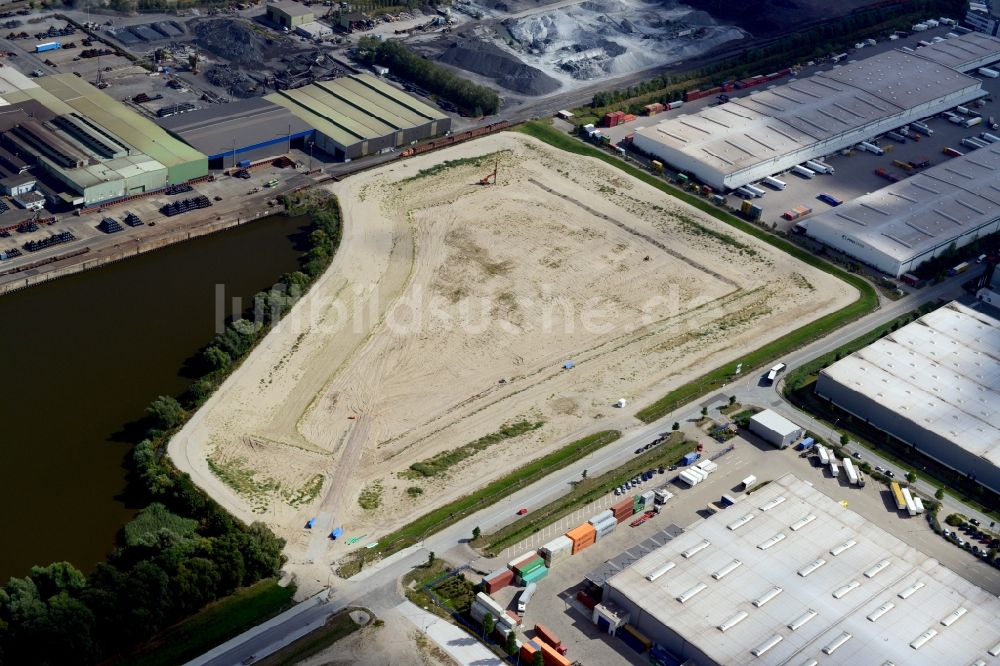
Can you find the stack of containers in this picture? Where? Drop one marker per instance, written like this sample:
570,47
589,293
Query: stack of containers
582,537
638,503
530,569
648,498
559,548
622,510
498,580
604,523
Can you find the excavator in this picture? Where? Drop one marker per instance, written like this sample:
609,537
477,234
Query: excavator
486,179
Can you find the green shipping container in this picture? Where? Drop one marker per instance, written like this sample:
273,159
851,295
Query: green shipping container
533,564
637,504
535,575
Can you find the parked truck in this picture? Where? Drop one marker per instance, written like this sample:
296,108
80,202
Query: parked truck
548,636
756,191
662,495
871,148
749,481
47,46
824,457
818,167
771,181
988,73
526,594
972,122
922,128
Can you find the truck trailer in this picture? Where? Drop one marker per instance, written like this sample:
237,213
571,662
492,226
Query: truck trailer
852,475
526,594
911,508
771,181
800,170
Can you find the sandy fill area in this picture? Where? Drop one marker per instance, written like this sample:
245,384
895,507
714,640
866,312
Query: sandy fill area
450,310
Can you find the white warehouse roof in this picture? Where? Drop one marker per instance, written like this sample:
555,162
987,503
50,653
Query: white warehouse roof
775,422
942,372
965,52
747,138
833,575
898,227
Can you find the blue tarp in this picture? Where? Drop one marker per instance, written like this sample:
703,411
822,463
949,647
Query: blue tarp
568,365
336,532
310,523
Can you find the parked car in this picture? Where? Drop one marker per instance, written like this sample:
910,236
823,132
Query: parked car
975,522
522,511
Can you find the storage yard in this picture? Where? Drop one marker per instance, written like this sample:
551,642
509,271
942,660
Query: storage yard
410,370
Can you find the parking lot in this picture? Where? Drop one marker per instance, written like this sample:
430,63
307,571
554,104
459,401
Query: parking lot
555,605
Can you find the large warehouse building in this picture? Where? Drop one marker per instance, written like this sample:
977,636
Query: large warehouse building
897,228
250,129
770,131
87,147
789,576
934,384
360,115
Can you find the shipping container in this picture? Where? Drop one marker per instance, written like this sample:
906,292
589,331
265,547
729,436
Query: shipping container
790,215
834,469
528,650
549,637
535,575
801,210
634,638
918,504
601,517
47,46
690,458
498,580
522,559
551,656
675,105
558,549
582,536
806,443
653,109
755,212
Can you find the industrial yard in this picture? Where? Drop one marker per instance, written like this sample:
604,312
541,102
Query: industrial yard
438,324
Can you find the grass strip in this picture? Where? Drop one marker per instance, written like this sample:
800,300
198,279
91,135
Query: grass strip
438,465
433,521
340,625
586,491
213,625
714,379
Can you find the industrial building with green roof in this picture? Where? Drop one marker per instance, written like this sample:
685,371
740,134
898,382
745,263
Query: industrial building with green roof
360,115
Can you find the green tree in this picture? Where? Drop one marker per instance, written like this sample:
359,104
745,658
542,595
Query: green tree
584,475
216,358
165,413
538,659
511,645
676,426
476,532
431,558
732,400
939,493
56,578
844,439
704,411
489,623
911,477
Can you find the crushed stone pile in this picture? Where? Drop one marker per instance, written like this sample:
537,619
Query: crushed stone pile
232,40
491,61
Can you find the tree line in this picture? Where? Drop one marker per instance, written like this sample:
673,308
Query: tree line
182,550
468,96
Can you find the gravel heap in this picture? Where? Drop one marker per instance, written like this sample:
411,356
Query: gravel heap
238,83
232,40
493,62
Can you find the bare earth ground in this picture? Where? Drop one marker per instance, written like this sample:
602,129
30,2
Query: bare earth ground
397,641
442,288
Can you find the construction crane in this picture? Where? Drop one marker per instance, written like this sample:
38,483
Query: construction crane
486,179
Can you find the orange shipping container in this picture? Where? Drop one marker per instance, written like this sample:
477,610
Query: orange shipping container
580,545
552,656
583,532
528,649
546,635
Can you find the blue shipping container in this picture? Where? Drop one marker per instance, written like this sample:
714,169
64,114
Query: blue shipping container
689,458
244,164
47,46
